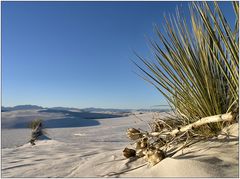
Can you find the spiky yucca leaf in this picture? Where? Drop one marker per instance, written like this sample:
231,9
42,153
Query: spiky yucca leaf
34,123
196,67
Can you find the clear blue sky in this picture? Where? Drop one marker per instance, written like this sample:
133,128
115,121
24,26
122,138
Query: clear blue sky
78,54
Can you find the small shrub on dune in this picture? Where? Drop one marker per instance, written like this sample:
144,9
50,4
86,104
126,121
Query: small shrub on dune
37,130
33,124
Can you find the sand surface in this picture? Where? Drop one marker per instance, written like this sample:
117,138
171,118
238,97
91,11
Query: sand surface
96,151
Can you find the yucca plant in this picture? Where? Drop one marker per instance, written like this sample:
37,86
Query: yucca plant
35,123
37,130
196,65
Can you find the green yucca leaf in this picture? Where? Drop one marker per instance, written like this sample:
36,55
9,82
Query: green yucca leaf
197,66
217,44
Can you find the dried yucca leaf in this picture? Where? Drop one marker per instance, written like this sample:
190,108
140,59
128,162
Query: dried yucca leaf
154,156
129,153
134,134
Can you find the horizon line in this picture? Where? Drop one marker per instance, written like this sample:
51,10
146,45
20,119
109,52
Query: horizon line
164,105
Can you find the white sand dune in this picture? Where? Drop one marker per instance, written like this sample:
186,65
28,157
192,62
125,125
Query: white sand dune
96,151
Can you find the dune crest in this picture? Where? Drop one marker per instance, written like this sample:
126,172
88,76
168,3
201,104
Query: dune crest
98,153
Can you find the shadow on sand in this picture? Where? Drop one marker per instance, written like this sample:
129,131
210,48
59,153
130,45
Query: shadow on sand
75,119
70,119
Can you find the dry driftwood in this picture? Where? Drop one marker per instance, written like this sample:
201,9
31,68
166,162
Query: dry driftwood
154,146
206,120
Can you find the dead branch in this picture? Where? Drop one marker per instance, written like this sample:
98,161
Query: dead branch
154,151
206,120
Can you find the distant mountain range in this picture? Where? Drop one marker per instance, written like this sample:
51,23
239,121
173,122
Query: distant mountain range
35,107
21,107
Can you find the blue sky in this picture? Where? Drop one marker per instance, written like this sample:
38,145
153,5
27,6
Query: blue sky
78,54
